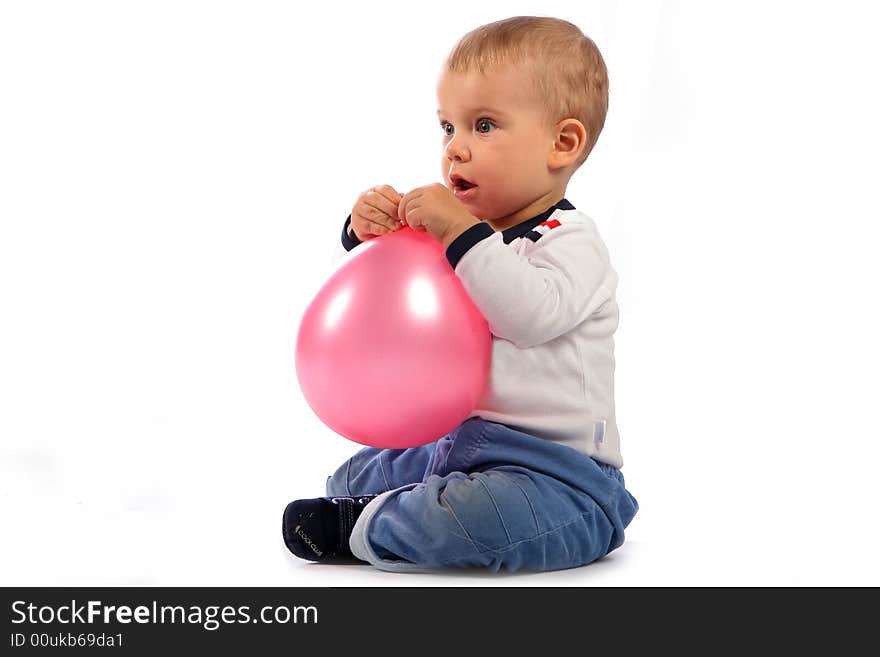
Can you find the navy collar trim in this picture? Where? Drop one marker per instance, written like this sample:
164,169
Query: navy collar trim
522,228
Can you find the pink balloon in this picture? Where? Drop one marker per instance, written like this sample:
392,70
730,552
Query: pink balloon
392,352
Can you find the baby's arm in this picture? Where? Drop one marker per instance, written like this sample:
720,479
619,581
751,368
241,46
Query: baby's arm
529,300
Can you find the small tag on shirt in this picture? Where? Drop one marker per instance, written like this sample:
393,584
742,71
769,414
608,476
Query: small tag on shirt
598,432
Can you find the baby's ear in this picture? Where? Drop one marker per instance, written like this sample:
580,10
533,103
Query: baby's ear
570,141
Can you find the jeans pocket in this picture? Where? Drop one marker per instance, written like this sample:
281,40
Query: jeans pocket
467,442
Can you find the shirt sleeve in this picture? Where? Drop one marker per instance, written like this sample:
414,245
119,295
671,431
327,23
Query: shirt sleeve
529,299
349,239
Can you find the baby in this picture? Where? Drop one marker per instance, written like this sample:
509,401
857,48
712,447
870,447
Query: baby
531,480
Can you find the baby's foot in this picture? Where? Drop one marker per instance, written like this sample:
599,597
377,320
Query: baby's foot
319,529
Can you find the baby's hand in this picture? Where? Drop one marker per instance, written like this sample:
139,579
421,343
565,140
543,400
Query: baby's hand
375,212
434,208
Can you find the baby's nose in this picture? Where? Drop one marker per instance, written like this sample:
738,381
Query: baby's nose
457,151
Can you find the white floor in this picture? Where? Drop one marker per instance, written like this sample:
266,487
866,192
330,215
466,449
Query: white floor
138,519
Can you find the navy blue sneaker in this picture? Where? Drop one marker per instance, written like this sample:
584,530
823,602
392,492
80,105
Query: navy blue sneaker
319,529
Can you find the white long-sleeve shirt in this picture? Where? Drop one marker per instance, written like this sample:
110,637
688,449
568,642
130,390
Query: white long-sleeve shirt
547,289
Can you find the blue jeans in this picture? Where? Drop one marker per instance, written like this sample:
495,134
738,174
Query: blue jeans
485,496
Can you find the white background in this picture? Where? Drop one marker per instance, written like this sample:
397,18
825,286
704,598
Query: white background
173,178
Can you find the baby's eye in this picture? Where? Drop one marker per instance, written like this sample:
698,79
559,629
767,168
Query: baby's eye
447,128
485,125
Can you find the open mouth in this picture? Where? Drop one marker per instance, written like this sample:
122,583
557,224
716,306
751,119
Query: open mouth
460,184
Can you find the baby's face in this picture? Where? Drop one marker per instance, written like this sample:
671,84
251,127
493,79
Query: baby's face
496,142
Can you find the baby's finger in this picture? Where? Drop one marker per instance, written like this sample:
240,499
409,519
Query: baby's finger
372,227
388,192
371,213
407,205
381,205
401,210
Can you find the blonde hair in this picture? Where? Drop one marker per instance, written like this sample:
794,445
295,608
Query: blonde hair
567,68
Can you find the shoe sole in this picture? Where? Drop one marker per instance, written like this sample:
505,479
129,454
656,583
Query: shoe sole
296,539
